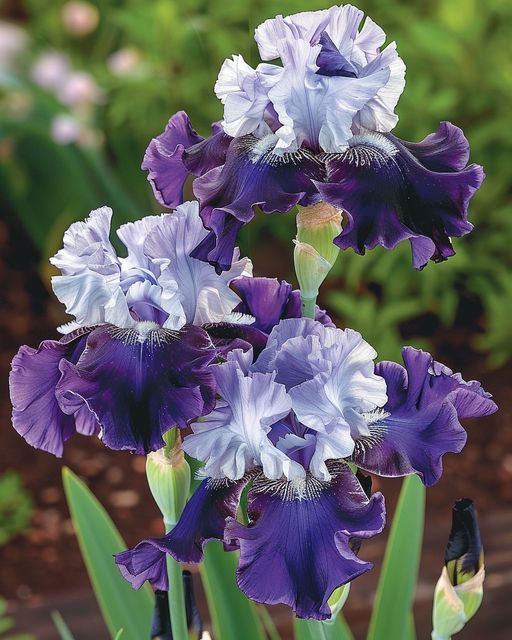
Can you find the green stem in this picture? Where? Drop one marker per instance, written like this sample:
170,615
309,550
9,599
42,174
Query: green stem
309,630
176,597
308,307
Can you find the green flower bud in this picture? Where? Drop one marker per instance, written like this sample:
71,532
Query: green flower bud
168,475
459,590
311,269
318,225
337,601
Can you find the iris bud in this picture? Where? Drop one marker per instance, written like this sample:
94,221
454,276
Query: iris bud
310,267
459,590
337,601
315,253
168,475
318,225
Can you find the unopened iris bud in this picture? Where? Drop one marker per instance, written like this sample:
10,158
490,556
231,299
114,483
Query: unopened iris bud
168,475
311,269
315,253
459,590
318,225
337,601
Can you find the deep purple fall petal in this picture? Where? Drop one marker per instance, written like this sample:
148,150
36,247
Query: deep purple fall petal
420,422
252,175
203,519
392,190
296,549
35,373
140,383
146,561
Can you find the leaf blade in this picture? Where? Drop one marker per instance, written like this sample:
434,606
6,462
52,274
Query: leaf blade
99,540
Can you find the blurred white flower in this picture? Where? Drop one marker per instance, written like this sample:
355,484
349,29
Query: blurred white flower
50,70
124,61
79,88
80,18
65,128
13,40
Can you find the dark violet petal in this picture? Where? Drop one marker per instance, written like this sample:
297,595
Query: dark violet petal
218,246
208,153
464,544
270,301
331,62
203,519
252,175
146,561
420,422
296,550
227,336
164,159
140,382
392,191
36,414
264,298
445,150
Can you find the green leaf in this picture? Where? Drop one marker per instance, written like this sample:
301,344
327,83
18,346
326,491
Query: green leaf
391,617
233,615
62,627
99,540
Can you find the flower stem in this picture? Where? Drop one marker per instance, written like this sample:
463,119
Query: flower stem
308,307
309,629
176,597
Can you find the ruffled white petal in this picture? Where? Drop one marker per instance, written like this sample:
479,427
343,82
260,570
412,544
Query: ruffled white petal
87,246
204,295
314,110
233,438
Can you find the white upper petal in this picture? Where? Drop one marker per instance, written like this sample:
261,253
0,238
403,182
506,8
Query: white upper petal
378,113
314,110
87,246
244,93
233,438
307,25
204,295
90,271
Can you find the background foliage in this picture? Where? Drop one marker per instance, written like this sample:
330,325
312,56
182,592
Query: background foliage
458,68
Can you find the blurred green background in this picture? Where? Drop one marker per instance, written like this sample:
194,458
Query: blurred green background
84,87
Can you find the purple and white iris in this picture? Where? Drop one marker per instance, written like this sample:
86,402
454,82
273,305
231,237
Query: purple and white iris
286,426
317,128
134,363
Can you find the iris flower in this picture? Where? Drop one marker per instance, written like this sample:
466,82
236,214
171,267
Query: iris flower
288,426
317,127
134,362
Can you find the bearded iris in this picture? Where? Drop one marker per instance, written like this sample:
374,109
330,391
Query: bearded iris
287,425
134,361
317,128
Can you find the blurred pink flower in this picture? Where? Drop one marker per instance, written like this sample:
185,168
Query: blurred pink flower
65,128
50,70
79,88
80,18
124,61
